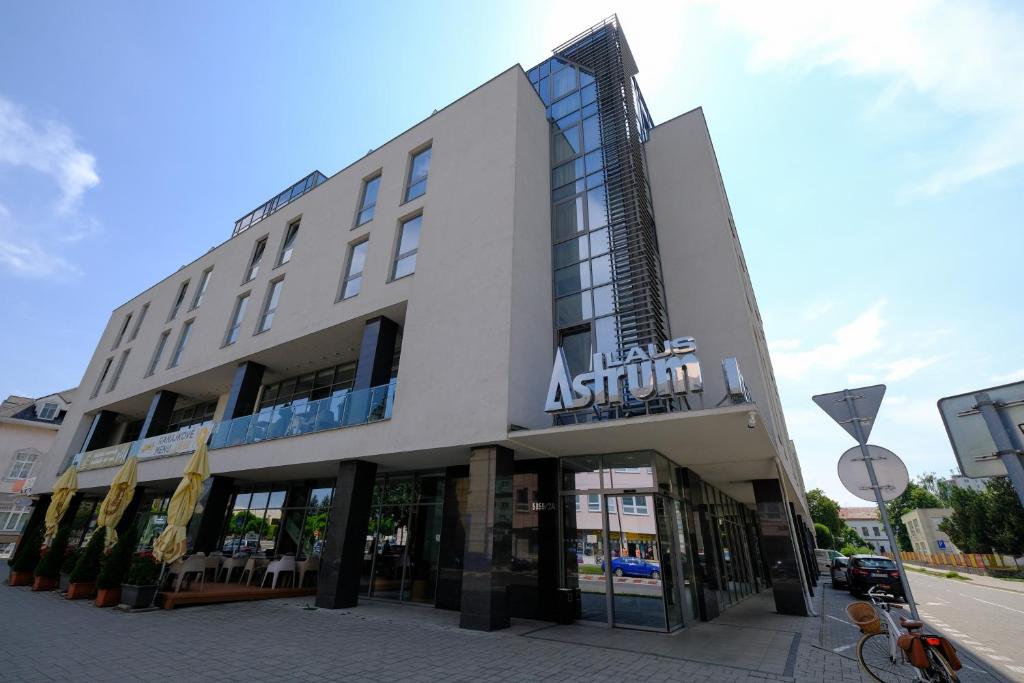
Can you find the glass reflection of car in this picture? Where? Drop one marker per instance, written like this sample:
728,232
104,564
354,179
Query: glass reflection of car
635,566
866,571
241,545
838,571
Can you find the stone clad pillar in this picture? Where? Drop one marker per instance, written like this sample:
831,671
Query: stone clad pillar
488,551
780,552
342,559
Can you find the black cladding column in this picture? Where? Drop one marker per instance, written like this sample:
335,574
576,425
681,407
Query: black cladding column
488,539
161,406
342,560
376,354
245,387
780,553
100,431
36,519
211,510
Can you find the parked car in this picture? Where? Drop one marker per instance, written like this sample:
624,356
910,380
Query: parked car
241,545
838,572
865,571
635,566
824,558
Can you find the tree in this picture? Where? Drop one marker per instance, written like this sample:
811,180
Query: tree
88,566
941,488
850,537
824,536
968,525
116,563
825,511
983,521
914,498
1005,516
49,566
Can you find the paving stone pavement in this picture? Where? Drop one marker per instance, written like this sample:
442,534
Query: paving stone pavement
44,637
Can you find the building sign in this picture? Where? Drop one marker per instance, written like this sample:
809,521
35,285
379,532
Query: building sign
182,441
104,457
645,373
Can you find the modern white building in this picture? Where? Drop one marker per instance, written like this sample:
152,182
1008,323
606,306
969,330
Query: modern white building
973,483
28,428
517,335
865,521
923,528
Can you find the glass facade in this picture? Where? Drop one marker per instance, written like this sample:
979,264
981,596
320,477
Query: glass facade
288,196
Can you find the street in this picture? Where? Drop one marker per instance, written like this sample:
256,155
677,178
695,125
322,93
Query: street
986,619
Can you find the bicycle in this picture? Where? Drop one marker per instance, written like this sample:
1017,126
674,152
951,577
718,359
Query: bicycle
879,652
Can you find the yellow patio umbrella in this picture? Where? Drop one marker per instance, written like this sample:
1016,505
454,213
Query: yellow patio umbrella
122,488
171,544
63,490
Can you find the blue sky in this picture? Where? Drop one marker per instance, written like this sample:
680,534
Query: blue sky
874,160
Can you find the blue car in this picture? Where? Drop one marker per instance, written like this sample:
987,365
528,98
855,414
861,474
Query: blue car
634,566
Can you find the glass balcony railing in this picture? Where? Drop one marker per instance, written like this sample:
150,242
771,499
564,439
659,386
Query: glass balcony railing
347,410
268,207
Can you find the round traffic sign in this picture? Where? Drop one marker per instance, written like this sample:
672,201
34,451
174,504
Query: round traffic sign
890,472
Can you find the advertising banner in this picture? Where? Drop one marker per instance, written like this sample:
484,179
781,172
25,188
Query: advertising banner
182,441
104,457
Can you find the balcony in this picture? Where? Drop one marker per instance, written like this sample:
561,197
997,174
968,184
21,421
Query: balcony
270,206
334,412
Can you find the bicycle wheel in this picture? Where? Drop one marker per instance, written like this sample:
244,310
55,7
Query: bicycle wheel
873,655
941,671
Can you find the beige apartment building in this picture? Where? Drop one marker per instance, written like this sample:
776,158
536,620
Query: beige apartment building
28,428
923,528
426,367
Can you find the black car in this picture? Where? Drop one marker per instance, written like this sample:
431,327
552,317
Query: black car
865,571
837,570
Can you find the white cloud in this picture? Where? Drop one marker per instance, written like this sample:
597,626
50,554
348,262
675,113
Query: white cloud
48,148
1007,378
850,342
25,256
966,59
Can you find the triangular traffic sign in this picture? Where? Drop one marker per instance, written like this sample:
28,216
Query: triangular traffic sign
866,402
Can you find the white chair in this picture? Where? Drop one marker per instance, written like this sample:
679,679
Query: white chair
214,561
306,566
196,564
285,565
254,564
229,565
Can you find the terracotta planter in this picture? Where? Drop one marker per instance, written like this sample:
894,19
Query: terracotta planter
44,583
137,597
20,579
77,591
108,597
65,581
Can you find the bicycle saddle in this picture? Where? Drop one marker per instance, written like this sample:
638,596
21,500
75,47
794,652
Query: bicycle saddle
910,624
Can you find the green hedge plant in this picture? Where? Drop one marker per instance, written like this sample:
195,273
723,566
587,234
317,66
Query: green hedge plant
71,556
49,566
143,571
88,566
27,556
115,566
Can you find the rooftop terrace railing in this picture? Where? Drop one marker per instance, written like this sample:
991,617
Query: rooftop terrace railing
270,206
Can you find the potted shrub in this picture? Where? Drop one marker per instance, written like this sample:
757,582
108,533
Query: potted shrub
140,584
115,567
48,569
83,577
71,556
24,562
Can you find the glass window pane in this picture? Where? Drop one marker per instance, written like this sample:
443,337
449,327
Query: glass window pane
577,348
572,279
599,242
410,235
568,219
604,301
567,144
544,91
595,161
585,78
589,93
589,110
602,267
573,309
352,287
565,106
405,266
420,165
591,134
570,252
568,120
358,259
545,68
606,336
597,210
564,174
562,82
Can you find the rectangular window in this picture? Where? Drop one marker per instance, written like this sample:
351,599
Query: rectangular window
204,282
369,201
13,518
157,352
103,376
418,170
634,505
593,502
254,262
178,300
237,316
289,244
22,467
270,306
875,530
124,328
117,371
353,281
408,245
48,412
865,530
179,348
138,323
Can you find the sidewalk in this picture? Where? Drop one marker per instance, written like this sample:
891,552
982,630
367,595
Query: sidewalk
976,579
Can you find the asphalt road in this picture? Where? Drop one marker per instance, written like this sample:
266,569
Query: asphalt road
987,621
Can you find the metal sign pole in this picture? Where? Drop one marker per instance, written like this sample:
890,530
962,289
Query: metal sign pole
1007,451
862,441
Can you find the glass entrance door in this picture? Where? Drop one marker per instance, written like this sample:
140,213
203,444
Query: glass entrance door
635,563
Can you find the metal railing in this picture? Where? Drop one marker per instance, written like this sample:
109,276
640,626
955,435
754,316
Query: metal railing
268,207
347,410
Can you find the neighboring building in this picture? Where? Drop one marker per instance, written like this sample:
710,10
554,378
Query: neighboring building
865,521
376,349
973,483
923,527
28,428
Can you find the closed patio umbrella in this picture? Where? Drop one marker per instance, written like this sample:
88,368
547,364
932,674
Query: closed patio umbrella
171,544
122,488
63,490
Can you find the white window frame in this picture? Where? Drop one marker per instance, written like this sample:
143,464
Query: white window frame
634,507
42,413
593,502
24,463
14,517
